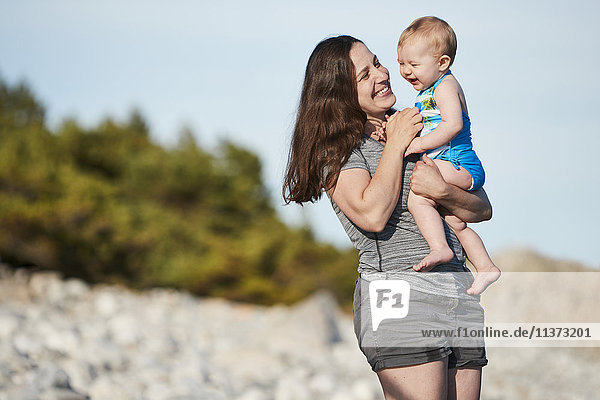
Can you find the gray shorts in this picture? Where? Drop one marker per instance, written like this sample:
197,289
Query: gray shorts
394,343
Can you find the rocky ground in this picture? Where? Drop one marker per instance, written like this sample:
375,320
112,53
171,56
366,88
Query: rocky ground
64,340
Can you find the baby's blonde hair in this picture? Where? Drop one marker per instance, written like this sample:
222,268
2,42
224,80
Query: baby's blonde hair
436,32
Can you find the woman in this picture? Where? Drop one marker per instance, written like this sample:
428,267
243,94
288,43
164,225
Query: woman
335,148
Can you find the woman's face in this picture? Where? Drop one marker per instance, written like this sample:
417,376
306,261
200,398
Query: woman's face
372,82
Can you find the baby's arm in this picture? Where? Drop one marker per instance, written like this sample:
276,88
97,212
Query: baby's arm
447,98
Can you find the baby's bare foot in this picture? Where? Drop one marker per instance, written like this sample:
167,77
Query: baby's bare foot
435,257
484,278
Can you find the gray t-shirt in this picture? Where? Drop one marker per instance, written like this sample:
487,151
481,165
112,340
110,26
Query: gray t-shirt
400,244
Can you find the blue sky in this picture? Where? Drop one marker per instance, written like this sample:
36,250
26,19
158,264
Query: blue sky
233,69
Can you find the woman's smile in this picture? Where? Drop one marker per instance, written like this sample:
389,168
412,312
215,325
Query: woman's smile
386,91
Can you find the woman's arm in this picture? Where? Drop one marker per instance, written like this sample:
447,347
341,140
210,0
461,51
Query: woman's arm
427,181
369,202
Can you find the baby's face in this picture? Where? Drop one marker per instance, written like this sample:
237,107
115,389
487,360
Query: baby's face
418,65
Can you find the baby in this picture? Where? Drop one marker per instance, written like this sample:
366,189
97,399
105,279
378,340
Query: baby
426,50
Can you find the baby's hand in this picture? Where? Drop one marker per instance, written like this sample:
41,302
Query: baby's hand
380,133
414,147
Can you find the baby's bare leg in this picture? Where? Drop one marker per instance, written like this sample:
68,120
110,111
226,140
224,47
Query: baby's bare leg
430,224
487,272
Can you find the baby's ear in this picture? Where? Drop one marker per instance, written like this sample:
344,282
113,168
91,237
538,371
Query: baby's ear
444,62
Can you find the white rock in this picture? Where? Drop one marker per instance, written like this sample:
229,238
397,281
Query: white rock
153,375
106,388
365,390
342,394
55,293
310,326
104,356
9,322
65,341
290,389
5,372
113,344
46,285
81,374
26,346
193,367
249,366
322,384
49,376
62,394
158,343
92,329
253,394
125,329
106,303
161,390
21,393
75,288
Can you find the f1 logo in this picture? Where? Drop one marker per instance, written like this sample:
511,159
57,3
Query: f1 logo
389,299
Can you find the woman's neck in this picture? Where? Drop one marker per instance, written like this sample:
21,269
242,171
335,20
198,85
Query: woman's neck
373,124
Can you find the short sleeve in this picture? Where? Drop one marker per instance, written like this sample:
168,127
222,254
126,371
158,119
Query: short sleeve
356,160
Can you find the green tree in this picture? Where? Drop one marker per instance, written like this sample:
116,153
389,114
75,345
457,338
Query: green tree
107,204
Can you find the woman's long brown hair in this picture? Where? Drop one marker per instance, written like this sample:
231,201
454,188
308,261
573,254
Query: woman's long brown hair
329,124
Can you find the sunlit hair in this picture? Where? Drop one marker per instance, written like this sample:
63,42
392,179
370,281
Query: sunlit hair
329,123
435,31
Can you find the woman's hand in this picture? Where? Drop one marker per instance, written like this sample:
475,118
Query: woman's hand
402,127
427,181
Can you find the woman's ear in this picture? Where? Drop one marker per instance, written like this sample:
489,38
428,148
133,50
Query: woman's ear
444,62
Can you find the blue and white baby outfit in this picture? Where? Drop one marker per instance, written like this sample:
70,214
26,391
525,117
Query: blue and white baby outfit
459,151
